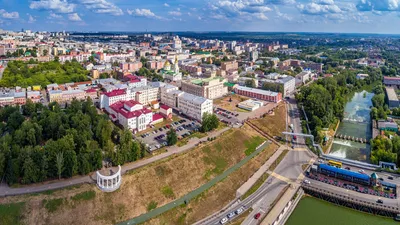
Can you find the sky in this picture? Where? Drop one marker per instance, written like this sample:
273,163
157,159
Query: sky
344,16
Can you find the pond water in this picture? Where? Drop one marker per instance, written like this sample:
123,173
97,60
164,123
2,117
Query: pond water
356,123
313,211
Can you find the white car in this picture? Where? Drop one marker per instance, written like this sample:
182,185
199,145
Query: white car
239,210
224,220
361,171
307,182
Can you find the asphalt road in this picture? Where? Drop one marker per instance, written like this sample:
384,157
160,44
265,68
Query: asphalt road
354,194
287,172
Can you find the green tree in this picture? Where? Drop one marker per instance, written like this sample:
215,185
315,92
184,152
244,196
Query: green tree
30,170
60,163
172,138
378,100
209,122
29,108
15,120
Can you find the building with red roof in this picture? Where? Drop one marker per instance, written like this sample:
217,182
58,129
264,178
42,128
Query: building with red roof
166,111
131,115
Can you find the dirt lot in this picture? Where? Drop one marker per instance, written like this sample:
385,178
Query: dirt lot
273,124
157,183
231,106
216,197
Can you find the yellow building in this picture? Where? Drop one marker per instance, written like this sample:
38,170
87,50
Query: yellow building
36,87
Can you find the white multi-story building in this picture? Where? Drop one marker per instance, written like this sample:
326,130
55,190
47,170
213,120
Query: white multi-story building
188,104
131,115
288,82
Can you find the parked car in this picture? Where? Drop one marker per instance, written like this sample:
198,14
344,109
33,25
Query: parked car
224,220
230,215
239,210
257,216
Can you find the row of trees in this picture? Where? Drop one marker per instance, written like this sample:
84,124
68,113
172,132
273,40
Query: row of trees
48,142
25,74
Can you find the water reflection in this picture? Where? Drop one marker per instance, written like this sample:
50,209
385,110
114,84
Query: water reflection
356,123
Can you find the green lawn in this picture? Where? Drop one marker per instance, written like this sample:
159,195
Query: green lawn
10,214
252,144
87,195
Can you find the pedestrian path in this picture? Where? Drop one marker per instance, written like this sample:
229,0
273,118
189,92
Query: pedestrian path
5,190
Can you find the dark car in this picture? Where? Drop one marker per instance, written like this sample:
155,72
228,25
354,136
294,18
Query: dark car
390,177
380,201
257,216
347,168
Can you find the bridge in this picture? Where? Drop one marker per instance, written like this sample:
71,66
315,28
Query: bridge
353,202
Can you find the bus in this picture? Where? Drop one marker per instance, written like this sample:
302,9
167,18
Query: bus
335,164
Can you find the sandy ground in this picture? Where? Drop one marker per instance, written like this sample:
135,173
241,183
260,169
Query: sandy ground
182,173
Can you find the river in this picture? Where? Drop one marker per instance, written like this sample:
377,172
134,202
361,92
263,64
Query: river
313,211
356,123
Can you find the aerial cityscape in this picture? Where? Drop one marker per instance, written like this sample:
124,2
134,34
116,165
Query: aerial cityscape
247,112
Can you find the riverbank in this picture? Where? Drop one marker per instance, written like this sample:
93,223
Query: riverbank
357,125
313,211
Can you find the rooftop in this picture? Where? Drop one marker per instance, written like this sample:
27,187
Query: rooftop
257,91
116,92
345,172
391,93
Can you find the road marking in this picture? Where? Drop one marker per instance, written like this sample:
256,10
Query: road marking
300,149
280,177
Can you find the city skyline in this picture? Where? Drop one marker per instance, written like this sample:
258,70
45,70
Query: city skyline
344,16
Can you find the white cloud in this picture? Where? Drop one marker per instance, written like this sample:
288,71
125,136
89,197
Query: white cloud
102,6
174,13
166,5
74,17
325,2
318,9
143,13
54,16
280,2
261,16
241,9
61,6
31,19
9,15
378,5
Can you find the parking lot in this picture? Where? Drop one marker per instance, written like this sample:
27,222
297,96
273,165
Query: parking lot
233,117
156,137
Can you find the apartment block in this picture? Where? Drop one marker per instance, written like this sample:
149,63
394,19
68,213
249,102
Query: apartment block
210,88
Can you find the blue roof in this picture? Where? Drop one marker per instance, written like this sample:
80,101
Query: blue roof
387,184
344,172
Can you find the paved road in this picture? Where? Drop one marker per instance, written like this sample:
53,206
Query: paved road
354,194
287,172
5,190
